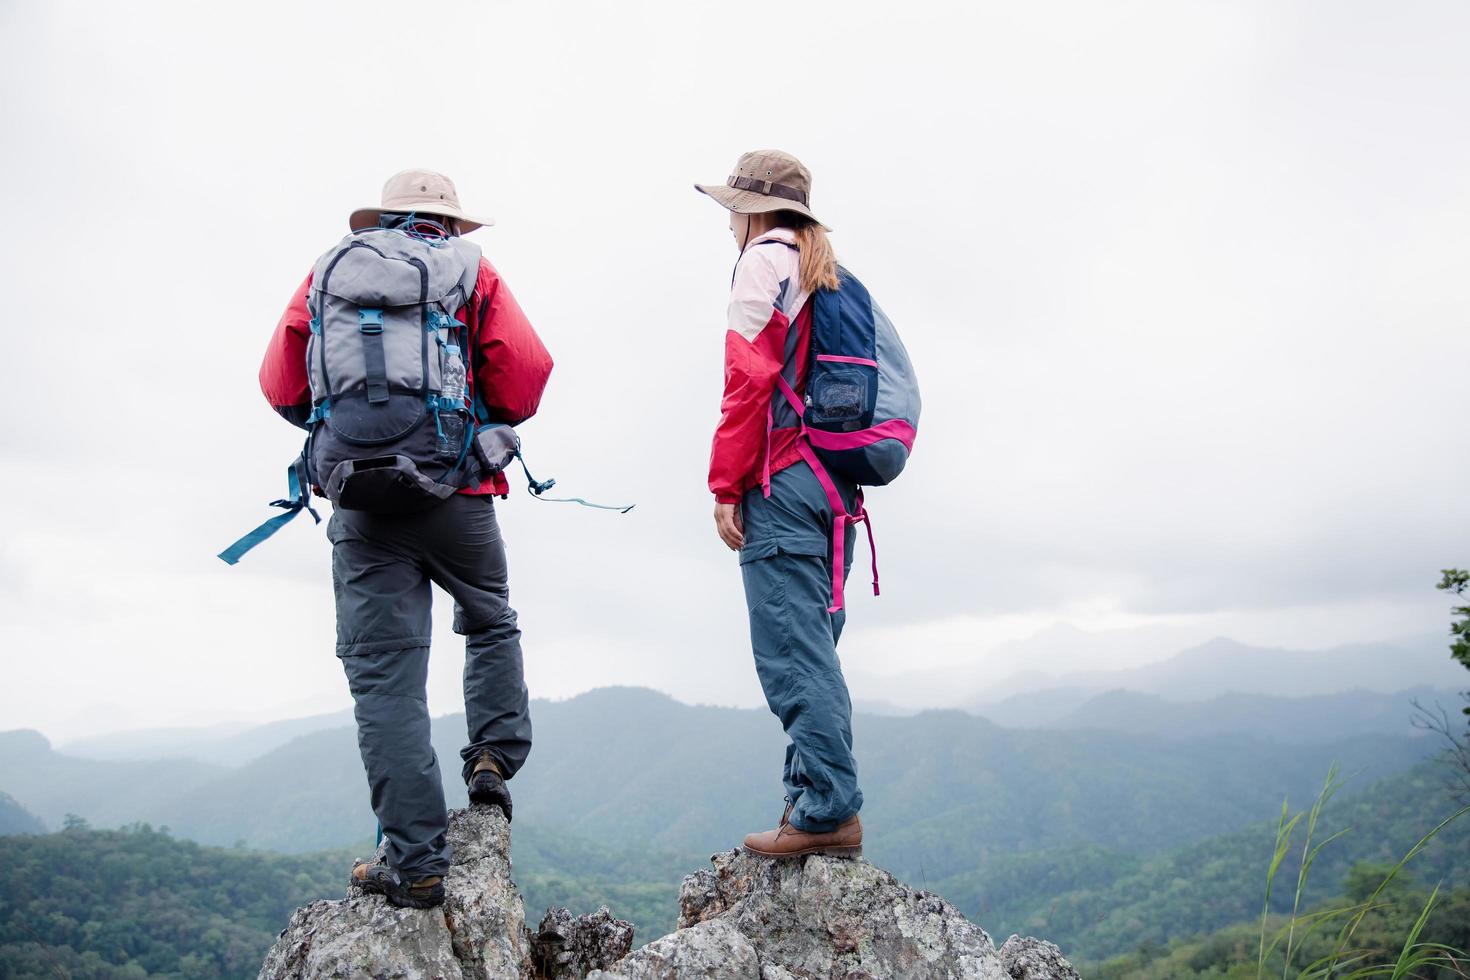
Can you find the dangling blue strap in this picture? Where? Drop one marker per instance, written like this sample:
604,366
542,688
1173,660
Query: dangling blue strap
298,499
537,488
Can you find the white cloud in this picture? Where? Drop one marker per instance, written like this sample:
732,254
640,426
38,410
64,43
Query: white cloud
1183,282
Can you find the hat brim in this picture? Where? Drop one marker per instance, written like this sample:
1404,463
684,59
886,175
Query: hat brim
750,202
368,217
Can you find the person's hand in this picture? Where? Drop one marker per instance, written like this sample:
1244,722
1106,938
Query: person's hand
730,525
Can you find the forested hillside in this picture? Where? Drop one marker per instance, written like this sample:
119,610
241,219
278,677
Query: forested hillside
1097,903
16,819
1097,840
1231,953
946,791
125,904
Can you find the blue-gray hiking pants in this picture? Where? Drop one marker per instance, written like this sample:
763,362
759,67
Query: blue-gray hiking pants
787,566
381,570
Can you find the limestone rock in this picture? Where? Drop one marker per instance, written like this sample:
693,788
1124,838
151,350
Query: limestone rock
813,917
567,947
479,932
482,907
713,950
1035,959
359,938
743,918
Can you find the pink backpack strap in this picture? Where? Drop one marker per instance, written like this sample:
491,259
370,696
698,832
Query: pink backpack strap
866,520
841,518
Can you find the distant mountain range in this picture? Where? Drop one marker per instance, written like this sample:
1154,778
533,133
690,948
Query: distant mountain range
227,744
634,769
1220,687
1292,720
1062,681
1068,828
1224,666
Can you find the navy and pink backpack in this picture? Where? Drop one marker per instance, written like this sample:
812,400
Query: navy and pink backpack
861,410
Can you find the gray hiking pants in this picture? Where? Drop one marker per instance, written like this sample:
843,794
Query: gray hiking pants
381,570
787,566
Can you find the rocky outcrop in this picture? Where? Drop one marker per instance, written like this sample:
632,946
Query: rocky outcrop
1035,959
744,918
568,947
480,931
812,917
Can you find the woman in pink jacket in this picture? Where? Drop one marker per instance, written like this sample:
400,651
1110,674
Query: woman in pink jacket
771,508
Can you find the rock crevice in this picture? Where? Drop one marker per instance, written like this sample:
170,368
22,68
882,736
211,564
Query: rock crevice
743,918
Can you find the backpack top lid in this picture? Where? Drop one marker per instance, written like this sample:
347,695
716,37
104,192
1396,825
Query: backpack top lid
381,267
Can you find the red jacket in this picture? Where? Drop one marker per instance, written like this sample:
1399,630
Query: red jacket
768,333
512,364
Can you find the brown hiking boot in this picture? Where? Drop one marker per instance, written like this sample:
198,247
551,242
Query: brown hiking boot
383,880
788,842
488,786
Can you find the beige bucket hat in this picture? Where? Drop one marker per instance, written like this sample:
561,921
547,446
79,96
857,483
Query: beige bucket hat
765,180
423,192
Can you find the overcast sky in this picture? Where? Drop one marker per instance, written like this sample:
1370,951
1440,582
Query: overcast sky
1185,285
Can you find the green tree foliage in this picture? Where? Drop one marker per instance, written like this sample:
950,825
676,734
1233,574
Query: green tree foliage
138,903
1457,581
1096,903
1230,953
1381,927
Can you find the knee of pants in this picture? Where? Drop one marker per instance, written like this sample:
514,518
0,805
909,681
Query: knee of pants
400,673
499,621
800,699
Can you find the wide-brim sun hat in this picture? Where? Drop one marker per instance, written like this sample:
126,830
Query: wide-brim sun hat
765,181
418,192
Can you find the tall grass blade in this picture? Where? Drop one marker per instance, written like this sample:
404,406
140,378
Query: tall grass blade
1371,902
1284,829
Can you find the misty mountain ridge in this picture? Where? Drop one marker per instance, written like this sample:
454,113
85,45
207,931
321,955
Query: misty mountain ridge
1028,698
1288,720
1197,673
225,744
16,819
946,789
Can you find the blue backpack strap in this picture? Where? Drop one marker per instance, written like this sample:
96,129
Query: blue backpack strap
298,488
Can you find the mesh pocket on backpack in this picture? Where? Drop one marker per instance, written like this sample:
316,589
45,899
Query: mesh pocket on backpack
838,399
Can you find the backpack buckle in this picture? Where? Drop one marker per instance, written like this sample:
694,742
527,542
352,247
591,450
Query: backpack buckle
370,321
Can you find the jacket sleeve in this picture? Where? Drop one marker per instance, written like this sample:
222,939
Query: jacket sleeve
283,377
512,364
755,344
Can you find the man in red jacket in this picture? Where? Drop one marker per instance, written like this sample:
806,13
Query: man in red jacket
382,567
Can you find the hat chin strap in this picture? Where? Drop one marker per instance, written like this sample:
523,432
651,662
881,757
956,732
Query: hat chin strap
745,242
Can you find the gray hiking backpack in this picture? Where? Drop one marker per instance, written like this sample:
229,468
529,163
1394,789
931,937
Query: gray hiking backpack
391,427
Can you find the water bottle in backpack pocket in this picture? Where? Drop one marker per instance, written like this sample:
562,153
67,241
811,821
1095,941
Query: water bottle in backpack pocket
452,417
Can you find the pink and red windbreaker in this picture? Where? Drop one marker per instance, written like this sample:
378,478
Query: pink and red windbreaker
769,334
511,364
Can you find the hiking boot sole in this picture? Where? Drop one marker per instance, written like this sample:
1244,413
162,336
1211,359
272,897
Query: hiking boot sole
831,850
